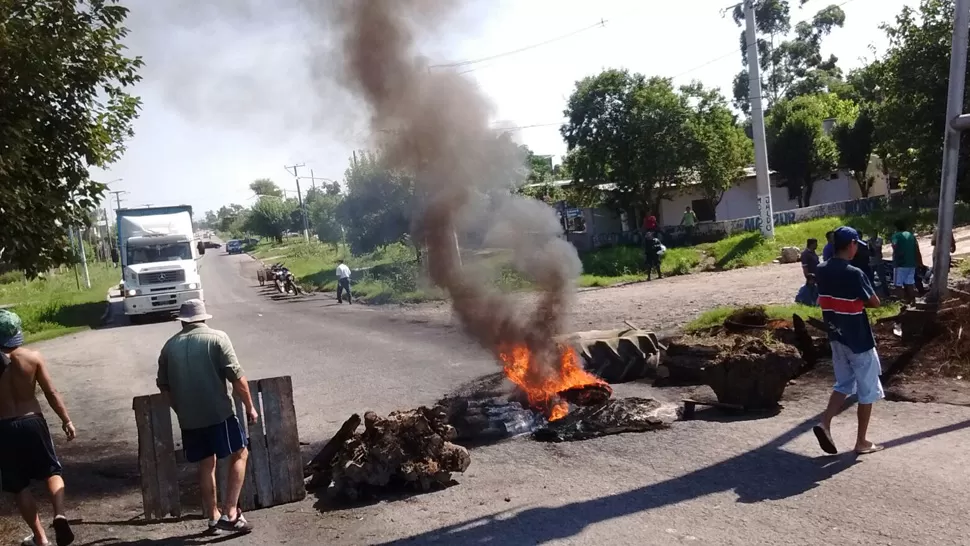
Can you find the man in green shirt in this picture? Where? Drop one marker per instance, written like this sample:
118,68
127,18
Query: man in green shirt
689,221
906,258
193,368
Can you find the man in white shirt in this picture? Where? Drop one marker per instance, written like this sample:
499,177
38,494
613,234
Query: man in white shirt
343,282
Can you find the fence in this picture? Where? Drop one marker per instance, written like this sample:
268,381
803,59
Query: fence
715,231
274,470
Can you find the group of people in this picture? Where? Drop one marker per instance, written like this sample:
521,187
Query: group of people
908,270
194,367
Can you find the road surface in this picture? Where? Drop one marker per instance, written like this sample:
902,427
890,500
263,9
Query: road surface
702,482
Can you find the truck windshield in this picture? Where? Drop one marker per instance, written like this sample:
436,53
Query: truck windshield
159,253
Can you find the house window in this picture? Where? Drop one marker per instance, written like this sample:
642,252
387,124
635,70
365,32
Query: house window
894,182
834,176
704,209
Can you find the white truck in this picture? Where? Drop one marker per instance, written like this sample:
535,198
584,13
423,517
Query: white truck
159,259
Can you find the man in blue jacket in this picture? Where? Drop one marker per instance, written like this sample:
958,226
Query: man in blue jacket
844,293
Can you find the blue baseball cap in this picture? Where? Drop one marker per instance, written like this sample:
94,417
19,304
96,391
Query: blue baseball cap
11,330
844,235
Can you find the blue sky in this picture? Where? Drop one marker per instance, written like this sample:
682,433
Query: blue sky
232,94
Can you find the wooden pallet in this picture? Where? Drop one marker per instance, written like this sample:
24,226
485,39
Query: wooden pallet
274,470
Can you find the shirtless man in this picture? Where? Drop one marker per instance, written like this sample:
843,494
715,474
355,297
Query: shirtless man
26,450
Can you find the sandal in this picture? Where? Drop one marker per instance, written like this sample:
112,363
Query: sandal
62,531
873,448
825,440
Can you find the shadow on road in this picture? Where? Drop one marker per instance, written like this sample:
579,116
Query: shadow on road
766,473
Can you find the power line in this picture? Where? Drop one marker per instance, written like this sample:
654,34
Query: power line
601,23
735,50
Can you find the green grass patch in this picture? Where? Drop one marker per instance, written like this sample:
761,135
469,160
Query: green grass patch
624,264
54,306
716,316
751,249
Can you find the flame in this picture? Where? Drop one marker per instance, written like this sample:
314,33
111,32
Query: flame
541,386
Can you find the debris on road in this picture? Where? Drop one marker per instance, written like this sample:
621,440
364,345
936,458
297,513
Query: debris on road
613,417
407,450
753,373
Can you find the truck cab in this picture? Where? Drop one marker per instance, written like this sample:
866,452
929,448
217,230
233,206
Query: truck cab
159,256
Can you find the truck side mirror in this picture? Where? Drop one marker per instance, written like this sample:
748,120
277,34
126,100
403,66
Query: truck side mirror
201,247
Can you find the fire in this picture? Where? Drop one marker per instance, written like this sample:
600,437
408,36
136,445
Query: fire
541,388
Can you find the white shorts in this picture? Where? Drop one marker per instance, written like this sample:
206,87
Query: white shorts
905,276
857,373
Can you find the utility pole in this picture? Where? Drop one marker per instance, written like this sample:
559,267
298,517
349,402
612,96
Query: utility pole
306,223
117,195
84,261
758,125
956,122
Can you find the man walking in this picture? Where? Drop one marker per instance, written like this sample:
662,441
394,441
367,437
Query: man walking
844,293
906,259
653,254
343,283
193,368
809,258
26,449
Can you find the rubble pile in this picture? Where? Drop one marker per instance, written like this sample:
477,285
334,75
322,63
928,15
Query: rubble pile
612,417
921,343
753,374
407,450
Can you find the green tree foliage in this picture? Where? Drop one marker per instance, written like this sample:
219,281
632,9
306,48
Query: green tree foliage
630,131
377,208
721,148
546,192
793,66
855,141
322,205
270,217
265,186
799,150
226,216
64,107
911,112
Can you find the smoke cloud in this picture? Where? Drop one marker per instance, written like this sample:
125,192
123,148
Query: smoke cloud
435,123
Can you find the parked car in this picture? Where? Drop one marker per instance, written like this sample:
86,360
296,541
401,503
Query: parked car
234,247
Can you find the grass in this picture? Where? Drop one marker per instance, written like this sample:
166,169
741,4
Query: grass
751,249
716,316
623,264
54,306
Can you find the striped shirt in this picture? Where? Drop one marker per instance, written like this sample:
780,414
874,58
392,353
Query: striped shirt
843,291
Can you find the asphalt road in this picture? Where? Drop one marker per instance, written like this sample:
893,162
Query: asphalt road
706,481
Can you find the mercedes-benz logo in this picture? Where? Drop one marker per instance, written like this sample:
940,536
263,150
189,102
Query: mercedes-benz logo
162,277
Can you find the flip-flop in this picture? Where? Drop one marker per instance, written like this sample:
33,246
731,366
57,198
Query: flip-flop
872,449
825,440
62,531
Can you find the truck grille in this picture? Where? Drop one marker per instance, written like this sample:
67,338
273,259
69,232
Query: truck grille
162,277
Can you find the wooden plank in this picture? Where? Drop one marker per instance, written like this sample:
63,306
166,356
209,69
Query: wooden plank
269,388
247,498
166,468
289,437
258,454
146,457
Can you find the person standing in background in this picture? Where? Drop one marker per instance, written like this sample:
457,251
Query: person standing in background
343,283
193,368
653,254
906,259
863,257
26,449
809,258
689,221
650,224
828,250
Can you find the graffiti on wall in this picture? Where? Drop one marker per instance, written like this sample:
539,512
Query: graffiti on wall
714,231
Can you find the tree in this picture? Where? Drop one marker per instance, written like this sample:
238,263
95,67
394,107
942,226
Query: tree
799,150
377,208
323,217
64,107
911,114
629,131
265,186
855,142
789,67
226,216
722,148
270,217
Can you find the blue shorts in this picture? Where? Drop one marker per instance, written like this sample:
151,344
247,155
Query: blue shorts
857,373
221,440
905,276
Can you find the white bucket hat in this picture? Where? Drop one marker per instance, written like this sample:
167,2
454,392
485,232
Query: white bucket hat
193,311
